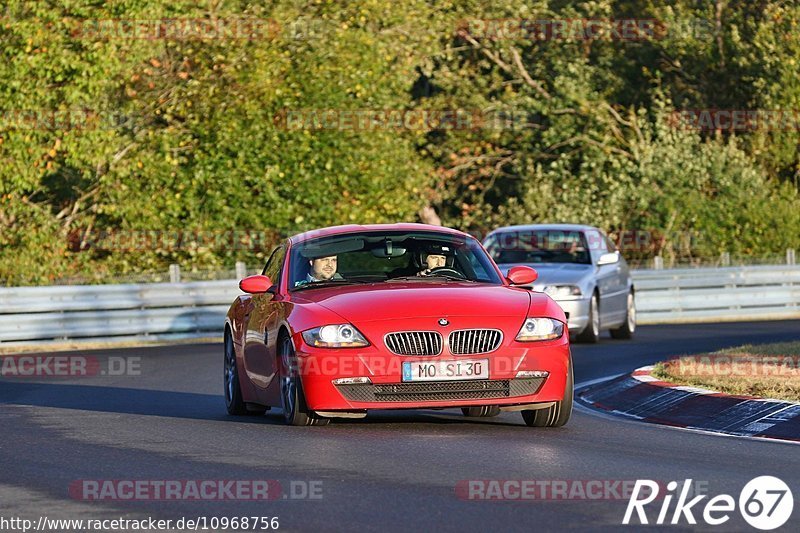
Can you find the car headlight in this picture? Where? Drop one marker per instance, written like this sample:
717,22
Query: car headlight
540,329
562,291
335,336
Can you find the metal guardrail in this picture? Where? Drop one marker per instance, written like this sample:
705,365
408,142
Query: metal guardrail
185,310
149,311
717,294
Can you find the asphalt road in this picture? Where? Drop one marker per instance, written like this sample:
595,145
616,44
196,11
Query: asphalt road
392,471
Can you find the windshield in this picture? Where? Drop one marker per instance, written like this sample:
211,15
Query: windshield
375,257
539,246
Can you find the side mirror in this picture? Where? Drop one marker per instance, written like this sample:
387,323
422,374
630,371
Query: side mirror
255,284
608,259
522,275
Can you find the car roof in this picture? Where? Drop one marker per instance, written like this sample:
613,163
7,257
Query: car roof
360,228
540,227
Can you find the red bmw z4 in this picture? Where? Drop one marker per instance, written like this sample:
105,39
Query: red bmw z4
403,316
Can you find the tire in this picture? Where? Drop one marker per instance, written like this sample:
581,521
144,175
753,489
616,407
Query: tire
627,330
256,409
295,410
233,391
591,333
556,415
484,411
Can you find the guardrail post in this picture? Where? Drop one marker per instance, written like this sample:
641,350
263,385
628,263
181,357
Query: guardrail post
658,263
725,259
790,256
241,270
174,274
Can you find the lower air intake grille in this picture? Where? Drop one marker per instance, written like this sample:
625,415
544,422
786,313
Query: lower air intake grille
440,391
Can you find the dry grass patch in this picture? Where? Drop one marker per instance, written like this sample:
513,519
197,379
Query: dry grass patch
765,371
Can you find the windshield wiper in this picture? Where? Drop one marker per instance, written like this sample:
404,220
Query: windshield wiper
328,283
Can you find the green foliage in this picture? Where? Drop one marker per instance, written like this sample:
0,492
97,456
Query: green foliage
108,134
602,146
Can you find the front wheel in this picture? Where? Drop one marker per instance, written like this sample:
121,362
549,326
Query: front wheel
626,330
233,392
556,415
295,410
484,411
591,333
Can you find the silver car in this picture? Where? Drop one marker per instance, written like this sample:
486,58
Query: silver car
579,267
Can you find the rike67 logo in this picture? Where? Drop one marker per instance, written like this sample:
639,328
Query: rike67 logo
765,503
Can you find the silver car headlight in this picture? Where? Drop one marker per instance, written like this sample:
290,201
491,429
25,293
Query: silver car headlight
540,329
335,336
562,291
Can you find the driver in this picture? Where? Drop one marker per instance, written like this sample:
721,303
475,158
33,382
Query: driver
432,261
323,269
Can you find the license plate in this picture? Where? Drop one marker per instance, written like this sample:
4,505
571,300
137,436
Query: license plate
445,370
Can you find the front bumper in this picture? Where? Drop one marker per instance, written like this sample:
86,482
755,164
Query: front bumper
433,391
319,368
577,312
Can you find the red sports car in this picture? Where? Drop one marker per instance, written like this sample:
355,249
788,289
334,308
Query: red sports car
406,316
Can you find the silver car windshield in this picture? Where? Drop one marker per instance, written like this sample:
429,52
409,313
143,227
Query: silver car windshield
539,246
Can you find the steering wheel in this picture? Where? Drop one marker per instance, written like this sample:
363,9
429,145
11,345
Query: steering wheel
446,270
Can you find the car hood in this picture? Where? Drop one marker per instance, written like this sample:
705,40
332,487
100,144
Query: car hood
396,300
556,273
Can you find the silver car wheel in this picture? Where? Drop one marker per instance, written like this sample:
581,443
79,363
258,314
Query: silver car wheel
595,317
631,313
